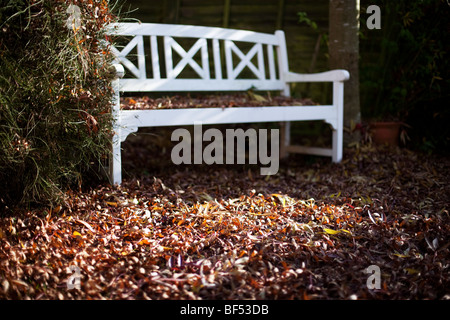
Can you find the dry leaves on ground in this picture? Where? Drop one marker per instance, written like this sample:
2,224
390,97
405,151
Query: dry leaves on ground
203,232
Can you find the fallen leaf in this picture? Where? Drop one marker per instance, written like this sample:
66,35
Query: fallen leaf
331,231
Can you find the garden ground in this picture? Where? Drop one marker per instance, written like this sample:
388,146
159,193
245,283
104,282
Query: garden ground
225,232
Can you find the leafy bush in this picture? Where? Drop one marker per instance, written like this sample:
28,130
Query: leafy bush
55,97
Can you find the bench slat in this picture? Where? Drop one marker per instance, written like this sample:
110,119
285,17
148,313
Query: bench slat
185,31
180,117
183,85
271,62
155,58
217,63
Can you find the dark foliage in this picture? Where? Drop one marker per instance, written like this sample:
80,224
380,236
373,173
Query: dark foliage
54,97
405,69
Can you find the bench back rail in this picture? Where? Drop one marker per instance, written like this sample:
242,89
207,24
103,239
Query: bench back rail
217,59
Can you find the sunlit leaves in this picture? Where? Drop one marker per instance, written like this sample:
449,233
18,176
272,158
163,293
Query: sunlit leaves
176,237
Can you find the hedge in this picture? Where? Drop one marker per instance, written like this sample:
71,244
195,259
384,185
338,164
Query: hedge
55,97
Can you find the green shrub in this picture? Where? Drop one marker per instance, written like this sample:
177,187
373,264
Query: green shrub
55,98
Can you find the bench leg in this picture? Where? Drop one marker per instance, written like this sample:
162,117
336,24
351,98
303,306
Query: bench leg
285,138
115,164
337,146
338,131
116,161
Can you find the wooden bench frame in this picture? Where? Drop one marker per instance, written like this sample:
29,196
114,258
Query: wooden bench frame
271,72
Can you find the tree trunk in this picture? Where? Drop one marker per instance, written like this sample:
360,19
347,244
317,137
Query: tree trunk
344,54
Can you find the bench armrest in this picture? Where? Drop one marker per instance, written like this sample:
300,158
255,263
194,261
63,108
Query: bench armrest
328,76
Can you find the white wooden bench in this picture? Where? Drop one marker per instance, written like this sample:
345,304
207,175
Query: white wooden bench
218,62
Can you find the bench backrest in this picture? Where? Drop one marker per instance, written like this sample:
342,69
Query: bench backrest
218,59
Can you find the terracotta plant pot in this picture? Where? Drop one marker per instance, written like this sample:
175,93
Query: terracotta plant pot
385,132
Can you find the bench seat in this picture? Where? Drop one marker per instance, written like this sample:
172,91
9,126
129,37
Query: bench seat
209,101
